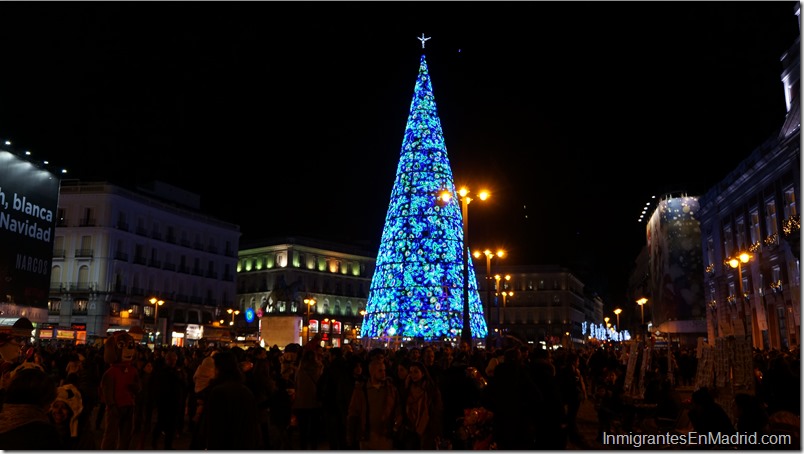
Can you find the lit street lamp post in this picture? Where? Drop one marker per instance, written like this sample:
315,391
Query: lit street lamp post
233,312
489,255
309,302
466,332
737,263
156,302
502,317
617,312
641,303
497,278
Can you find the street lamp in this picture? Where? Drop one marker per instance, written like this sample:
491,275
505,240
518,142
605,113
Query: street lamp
742,257
466,332
489,255
497,278
617,312
504,294
641,303
233,312
310,302
156,302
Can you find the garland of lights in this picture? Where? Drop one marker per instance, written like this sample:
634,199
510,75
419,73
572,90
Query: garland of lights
417,287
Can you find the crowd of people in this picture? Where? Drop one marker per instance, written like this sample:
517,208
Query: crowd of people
308,397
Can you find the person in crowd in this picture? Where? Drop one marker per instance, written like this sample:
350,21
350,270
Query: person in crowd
573,392
64,413
345,387
281,407
259,381
374,410
230,418
707,416
752,418
459,391
422,407
119,387
550,422
167,390
334,372
511,395
143,402
24,422
401,370
306,405
203,376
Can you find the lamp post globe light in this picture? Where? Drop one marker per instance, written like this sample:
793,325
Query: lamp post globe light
156,303
489,255
737,263
641,303
617,312
309,302
233,312
466,332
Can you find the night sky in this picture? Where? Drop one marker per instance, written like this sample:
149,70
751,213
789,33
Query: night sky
288,117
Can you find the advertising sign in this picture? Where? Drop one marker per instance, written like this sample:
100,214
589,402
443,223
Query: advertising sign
29,198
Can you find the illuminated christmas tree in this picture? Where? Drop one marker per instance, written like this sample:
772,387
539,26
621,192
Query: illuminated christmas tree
417,289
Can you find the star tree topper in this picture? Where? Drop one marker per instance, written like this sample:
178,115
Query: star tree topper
423,39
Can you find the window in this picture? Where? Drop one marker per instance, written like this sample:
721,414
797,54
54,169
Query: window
770,217
710,251
742,243
756,235
727,241
789,203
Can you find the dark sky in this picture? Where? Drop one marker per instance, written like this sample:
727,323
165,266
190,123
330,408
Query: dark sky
288,117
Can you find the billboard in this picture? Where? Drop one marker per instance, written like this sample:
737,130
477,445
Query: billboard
29,198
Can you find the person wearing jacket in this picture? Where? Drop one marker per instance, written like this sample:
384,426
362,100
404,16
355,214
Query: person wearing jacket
374,411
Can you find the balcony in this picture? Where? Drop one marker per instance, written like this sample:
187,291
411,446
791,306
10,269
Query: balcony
184,269
59,253
156,235
122,226
212,274
140,260
141,231
169,266
83,253
155,263
185,243
197,245
87,222
61,222
197,272
122,256
171,238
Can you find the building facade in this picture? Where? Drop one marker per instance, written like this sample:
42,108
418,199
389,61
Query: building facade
284,278
754,211
115,249
548,303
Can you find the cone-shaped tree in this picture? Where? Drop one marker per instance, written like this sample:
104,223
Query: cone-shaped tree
417,288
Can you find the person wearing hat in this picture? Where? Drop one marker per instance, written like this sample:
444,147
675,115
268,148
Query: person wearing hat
64,414
24,422
12,340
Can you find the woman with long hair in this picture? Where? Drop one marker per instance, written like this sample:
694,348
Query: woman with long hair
422,407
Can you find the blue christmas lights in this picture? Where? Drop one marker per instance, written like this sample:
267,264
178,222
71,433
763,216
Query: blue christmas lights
417,287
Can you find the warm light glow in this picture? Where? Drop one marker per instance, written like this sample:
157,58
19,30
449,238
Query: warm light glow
463,191
618,311
642,301
483,195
